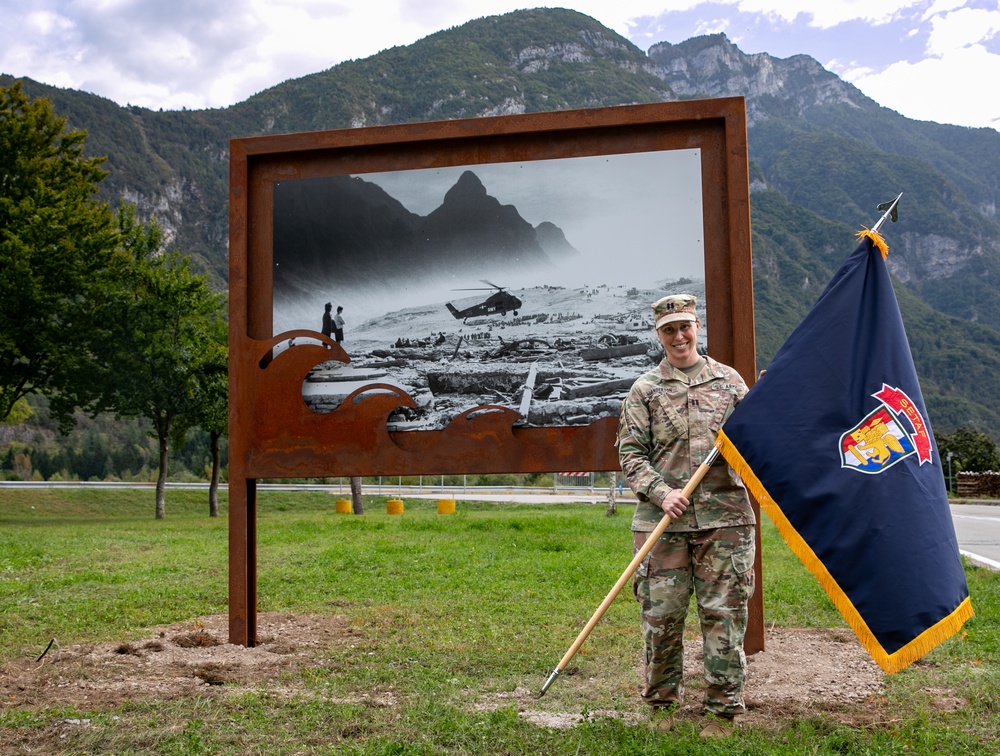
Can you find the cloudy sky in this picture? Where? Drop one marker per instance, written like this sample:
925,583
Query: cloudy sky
935,60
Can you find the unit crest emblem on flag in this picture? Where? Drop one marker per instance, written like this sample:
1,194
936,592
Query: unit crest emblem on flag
882,438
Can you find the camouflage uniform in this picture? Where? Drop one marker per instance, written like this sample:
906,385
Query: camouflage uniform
668,426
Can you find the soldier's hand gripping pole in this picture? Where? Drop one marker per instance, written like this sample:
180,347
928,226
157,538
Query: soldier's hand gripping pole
633,566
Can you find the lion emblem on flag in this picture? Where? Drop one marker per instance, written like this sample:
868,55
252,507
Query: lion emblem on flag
881,439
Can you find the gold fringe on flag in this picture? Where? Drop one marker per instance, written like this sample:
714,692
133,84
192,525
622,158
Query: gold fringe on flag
890,663
876,238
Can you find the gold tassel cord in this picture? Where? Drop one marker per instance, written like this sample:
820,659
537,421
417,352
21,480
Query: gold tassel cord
890,663
877,240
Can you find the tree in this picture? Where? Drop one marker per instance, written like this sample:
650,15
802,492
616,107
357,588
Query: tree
213,401
56,244
357,503
157,342
972,450
19,413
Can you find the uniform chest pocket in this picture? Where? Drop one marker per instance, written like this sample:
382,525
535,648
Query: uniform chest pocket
722,400
719,416
666,423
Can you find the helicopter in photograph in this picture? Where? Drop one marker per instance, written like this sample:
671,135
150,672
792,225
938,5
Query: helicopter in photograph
501,302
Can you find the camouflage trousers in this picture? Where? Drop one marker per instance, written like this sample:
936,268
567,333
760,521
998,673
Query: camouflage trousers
717,566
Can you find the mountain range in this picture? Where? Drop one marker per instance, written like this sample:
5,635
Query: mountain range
823,156
348,233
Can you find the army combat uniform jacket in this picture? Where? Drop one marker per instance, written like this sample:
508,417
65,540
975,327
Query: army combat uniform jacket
668,426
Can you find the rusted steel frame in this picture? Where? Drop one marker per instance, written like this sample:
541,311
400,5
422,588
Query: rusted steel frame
274,434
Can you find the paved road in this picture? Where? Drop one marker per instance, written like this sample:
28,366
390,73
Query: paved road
978,529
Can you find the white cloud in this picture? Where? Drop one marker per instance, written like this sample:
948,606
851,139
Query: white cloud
712,26
950,89
943,85
943,6
961,29
825,14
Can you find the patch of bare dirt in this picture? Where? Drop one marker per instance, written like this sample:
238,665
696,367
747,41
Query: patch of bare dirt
802,673
179,660
805,671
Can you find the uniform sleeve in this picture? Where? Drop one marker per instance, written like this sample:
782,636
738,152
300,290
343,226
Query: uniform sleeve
635,449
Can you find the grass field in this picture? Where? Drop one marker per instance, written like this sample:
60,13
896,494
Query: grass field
440,613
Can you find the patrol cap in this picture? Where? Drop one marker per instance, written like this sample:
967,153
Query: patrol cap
673,308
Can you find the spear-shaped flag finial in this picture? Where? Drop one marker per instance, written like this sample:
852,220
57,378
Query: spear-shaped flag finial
889,210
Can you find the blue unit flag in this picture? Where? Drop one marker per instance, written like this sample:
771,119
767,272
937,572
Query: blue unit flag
835,445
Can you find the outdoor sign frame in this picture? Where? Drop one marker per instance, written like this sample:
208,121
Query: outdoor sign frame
274,435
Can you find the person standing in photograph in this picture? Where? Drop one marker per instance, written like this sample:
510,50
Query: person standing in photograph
327,320
338,325
668,425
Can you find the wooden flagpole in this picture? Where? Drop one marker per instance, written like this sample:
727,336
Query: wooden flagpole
651,540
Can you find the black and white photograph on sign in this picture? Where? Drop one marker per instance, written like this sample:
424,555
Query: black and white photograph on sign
526,285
